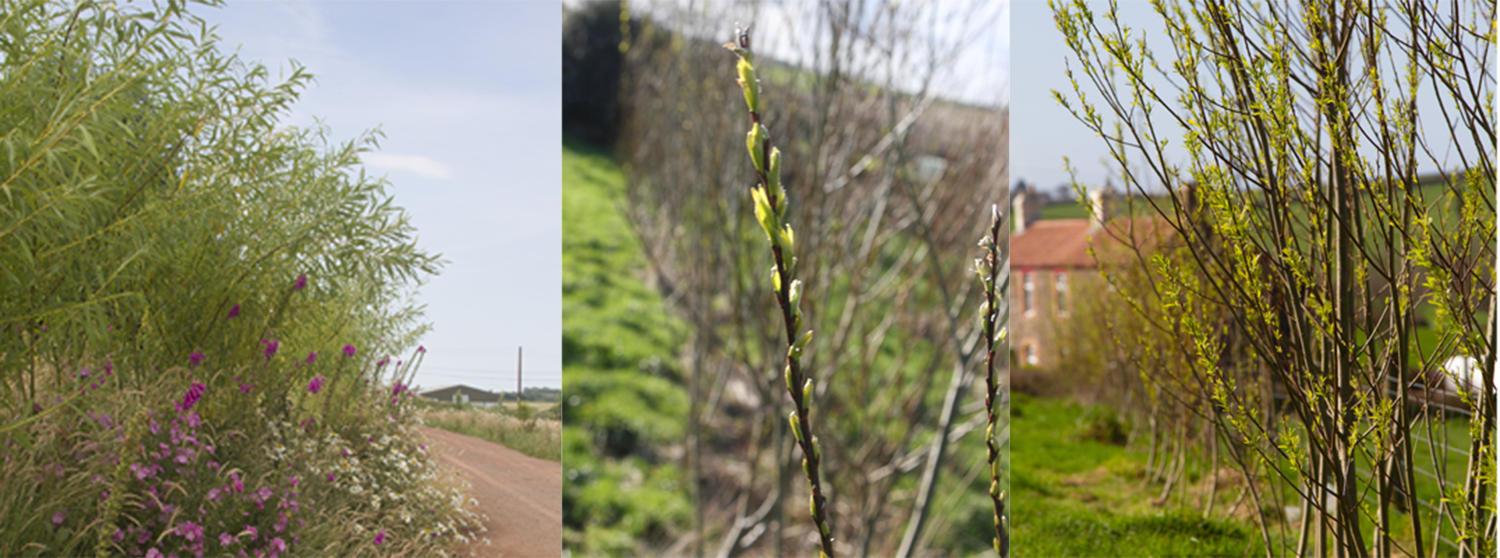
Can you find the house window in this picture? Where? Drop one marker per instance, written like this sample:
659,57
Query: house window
1062,293
1028,297
1030,357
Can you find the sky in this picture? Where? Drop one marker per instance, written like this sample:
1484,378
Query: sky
468,96
975,34
1043,132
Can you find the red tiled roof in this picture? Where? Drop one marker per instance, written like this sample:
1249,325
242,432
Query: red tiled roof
1065,243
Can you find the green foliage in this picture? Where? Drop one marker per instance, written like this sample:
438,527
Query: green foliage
595,38
1102,424
162,234
619,361
1315,246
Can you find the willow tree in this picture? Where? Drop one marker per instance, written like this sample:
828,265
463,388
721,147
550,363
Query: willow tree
155,206
1314,239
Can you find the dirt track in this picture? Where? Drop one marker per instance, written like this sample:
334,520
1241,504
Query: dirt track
521,495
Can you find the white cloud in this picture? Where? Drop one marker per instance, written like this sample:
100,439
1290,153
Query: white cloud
420,164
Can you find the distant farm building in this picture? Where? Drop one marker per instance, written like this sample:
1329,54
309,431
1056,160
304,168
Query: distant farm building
1051,265
462,394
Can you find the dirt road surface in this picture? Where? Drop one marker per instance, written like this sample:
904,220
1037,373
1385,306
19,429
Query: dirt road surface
522,495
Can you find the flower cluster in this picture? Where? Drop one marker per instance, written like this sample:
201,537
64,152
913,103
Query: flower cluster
383,473
185,501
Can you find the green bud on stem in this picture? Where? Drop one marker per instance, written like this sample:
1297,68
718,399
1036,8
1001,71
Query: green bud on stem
764,214
774,177
749,83
755,141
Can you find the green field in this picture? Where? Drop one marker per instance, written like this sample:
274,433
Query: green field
1080,497
620,394
539,437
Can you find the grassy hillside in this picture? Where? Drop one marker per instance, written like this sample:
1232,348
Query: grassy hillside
621,398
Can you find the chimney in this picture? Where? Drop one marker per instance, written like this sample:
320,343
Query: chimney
1101,207
1025,207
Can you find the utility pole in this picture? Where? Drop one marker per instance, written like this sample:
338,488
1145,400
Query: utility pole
518,376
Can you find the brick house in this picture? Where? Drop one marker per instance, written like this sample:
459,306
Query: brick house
1051,266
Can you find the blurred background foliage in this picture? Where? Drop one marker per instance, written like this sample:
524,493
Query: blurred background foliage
675,436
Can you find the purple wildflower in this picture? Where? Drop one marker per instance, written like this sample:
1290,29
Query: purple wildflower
57,518
154,553
192,531
384,361
225,539
349,350
277,545
271,346
234,311
194,393
380,538
316,384
301,282
195,359
311,357
213,494
330,477
421,348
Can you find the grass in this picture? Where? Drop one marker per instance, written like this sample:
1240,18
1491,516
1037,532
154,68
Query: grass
539,438
536,407
620,394
1076,496
1080,497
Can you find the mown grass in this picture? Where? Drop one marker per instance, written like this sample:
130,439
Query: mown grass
620,395
534,436
1076,496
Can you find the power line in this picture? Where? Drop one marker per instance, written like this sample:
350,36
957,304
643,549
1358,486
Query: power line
479,371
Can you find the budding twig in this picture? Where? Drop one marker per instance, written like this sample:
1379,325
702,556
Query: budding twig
988,269
770,211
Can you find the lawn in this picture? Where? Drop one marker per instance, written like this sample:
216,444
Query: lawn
1080,497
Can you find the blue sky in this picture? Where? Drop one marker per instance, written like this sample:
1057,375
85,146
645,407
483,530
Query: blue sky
468,97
